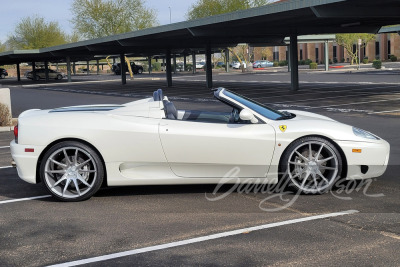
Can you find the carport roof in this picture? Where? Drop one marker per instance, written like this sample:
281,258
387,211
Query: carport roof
268,24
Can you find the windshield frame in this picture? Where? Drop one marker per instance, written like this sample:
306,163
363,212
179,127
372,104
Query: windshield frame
233,99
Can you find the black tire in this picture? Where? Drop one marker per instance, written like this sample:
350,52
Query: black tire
59,77
37,77
2,76
140,71
311,175
71,171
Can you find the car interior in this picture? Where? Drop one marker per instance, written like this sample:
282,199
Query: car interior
172,113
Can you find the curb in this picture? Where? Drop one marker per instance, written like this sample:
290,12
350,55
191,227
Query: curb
6,129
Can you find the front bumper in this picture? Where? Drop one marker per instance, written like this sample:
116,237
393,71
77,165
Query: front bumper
371,162
26,162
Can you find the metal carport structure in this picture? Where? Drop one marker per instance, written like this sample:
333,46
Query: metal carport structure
268,24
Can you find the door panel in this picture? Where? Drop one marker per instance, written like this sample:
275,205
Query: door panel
196,149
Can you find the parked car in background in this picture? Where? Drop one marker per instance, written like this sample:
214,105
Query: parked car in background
262,64
41,74
236,65
220,64
200,65
3,73
136,69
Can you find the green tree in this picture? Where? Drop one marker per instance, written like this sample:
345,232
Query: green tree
348,40
3,47
99,18
206,8
34,32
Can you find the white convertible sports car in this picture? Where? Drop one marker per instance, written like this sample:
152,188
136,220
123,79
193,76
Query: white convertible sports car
74,151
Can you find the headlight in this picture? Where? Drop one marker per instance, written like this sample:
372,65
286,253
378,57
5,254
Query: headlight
364,134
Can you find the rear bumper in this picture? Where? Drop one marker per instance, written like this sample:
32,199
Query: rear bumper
370,163
26,162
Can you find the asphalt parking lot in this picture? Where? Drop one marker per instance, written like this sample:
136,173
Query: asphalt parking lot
187,225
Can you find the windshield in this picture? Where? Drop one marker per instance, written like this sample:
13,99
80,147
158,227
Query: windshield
258,107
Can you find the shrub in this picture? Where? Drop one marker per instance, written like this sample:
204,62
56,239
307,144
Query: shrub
330,62
393,58
283,63
189,67
5,116
377,64
302,62
276,64
156,66
313,66
307,62
365,61
335,60
342,60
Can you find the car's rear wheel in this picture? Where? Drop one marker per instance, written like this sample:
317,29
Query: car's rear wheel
2,76
312,165
140,71
72,171
37,77
59,77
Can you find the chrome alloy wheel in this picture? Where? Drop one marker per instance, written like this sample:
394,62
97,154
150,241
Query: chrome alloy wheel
313,167
70,172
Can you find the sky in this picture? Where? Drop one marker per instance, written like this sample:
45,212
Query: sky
14,11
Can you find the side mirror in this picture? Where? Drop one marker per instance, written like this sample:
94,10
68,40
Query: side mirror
247,115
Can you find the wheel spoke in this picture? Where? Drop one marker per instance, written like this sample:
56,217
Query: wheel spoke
76,157
325,160
88,171
297,163
328,168
323,177
58,163
310,153
305,179
83,164
56,171
76,186
66,186
59,181
80,178
66,156
315,180
301,156
319,151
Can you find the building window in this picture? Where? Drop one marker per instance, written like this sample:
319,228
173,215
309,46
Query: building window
301,54
334,51
316,55
377,50
389,50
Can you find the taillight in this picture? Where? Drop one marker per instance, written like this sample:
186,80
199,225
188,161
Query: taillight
16,133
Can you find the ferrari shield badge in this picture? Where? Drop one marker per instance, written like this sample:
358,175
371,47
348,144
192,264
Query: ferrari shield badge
283,128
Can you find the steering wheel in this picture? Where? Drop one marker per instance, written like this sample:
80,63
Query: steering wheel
234,116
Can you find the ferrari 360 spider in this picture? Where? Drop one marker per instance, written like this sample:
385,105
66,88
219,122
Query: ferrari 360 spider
74,151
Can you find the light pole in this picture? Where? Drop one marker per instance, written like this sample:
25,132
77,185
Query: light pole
359,52
170,15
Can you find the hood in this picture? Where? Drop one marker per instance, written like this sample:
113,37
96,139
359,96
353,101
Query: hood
304,115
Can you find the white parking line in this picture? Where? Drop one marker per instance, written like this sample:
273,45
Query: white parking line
202,239
6,167
359,103
386,111
22,199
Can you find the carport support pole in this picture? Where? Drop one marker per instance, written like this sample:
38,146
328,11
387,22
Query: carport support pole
326,56
194,62
87,67
98,67
33,67
150,67
73,68
46,70
294,63
123,70
174,64
169,68
208,67
69,69
18,73
227,60
184,62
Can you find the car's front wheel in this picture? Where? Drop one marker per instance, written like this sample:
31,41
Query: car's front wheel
3,76
311,165
59,77
72,171
37,77
140,71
